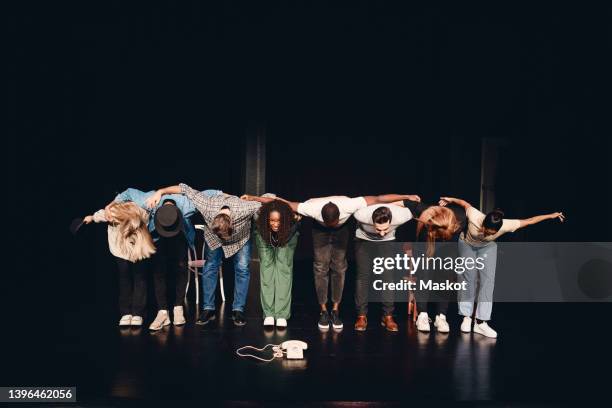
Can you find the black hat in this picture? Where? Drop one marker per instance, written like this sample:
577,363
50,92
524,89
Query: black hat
168,221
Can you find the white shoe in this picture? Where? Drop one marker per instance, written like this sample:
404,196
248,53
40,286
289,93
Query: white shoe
466,324
280,322
136,321
160,321
126,320
441,324
269,321
484,329
422,322
179,316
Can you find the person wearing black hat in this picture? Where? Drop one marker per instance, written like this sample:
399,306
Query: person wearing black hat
172,231
171,254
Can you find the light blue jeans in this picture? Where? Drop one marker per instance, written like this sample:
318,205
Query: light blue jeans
484,278
241,276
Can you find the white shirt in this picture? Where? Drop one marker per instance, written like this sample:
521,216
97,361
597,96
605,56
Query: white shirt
346,205
474,235
365,225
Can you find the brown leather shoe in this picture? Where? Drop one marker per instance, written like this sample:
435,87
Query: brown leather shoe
388,323
361,323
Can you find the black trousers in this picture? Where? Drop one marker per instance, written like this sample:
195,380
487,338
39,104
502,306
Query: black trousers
132,287
329,264
439,301
365,252
170,261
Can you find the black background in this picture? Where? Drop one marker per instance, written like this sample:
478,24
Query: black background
357,97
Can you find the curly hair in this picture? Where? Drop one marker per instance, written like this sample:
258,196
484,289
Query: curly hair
286,221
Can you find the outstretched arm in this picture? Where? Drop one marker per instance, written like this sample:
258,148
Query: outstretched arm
540,218
98,216
156,197
390,198
444,201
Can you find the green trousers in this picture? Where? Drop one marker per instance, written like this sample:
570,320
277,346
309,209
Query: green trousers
276,277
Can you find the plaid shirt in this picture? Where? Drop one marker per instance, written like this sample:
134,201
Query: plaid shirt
241,214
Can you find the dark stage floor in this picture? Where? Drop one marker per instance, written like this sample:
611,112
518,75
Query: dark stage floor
546,353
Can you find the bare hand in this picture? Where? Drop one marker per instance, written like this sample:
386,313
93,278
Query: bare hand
414,197
444,201
107,213
246,197
88,219
152,201
558,215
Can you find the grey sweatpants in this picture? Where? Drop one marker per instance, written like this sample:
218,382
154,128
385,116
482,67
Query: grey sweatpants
484,278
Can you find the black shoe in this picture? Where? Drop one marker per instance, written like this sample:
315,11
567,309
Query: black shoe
238,318
335,320
206,317
324,320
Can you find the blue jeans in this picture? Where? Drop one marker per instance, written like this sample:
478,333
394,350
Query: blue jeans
480,282
241,276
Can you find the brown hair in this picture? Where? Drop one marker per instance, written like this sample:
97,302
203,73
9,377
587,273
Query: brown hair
441,224
222,226
382,215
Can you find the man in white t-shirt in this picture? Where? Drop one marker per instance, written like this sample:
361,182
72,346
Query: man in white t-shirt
376,225
330,237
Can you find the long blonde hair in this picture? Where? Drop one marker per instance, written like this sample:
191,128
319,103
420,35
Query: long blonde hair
133,237
441,223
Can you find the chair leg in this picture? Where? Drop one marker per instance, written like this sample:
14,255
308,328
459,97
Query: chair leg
187,287
189,270
221,284
412,308
197,286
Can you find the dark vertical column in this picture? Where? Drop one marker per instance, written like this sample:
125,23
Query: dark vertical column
255,158
255,184
465,168
488,172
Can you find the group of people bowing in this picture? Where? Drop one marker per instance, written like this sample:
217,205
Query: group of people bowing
154,228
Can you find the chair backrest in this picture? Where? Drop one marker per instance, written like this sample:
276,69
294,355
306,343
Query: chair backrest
197,253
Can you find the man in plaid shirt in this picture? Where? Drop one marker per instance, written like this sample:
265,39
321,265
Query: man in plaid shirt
227,232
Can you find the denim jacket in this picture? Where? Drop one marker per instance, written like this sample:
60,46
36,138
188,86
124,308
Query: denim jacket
182,203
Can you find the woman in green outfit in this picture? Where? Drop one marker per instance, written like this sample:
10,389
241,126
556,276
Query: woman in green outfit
276,239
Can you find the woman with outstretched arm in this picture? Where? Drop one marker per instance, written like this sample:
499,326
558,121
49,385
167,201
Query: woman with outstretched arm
478,241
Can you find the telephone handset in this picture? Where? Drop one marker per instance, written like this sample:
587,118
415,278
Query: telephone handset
295,348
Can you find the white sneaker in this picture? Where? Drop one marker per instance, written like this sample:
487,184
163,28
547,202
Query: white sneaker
269,321
126,320
422,322
160,321
179,316
280,322
441,324
466,324
136,321
484,329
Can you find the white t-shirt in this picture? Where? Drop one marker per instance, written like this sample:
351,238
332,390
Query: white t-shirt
346,205
365,225
474,235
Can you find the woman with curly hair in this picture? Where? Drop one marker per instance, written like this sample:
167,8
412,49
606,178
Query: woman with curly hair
276,239
130,242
